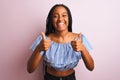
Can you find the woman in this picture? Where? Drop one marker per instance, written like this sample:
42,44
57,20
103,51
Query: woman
59,47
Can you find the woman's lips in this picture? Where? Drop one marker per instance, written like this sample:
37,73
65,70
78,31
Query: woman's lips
60,24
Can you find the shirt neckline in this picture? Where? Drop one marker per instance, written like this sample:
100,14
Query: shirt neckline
62,43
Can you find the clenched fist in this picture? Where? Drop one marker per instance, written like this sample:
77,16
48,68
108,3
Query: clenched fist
77,44
45,43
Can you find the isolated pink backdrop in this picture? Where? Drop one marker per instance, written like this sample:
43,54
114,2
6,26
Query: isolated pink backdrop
21,21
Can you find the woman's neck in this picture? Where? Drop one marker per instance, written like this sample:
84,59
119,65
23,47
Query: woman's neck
61,34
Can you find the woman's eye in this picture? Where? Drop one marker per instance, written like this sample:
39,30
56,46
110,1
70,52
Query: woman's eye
55,16
64,15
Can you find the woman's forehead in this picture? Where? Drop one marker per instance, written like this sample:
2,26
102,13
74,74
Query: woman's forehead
59,9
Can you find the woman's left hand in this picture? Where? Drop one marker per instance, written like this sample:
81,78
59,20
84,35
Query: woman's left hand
77,44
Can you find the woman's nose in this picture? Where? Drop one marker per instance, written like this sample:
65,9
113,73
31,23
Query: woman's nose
60,18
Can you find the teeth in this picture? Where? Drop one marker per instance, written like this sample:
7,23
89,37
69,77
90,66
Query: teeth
60,24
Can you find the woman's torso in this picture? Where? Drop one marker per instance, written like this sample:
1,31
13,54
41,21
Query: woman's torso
61,58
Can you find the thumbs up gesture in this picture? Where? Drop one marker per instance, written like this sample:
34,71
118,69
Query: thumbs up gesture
77,44
45,43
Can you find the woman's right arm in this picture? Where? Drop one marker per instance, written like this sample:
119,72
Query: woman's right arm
34,60
37,56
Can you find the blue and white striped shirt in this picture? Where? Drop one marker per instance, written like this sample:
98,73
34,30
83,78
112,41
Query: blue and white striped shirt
61,56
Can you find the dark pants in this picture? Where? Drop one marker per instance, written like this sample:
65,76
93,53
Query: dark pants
51,77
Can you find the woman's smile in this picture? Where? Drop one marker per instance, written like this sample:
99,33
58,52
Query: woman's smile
60,25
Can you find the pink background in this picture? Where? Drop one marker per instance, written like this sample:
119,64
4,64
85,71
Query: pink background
21,21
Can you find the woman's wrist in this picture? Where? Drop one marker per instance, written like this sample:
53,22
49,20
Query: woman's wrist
83,49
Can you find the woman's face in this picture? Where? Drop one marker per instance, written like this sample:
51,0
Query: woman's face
60,18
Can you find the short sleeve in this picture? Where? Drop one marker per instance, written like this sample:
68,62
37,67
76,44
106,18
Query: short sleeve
86,43
36,42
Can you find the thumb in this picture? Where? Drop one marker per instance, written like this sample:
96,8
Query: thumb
43,36
80,37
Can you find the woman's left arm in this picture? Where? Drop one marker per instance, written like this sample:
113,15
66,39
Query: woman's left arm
88,60
79,46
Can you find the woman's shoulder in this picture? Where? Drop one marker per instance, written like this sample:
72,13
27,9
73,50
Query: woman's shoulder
76,34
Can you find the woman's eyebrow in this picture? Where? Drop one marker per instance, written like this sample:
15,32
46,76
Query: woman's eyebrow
58,13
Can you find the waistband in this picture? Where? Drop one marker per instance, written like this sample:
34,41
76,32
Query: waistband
58,73
52,77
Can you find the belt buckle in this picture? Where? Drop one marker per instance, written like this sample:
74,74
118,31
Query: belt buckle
60,78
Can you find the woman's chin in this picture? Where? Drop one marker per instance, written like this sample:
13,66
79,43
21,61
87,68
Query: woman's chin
61,28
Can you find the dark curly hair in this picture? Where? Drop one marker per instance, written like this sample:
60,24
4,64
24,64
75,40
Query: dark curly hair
49,25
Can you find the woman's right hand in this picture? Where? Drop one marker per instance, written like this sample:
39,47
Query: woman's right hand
44,44
36,57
